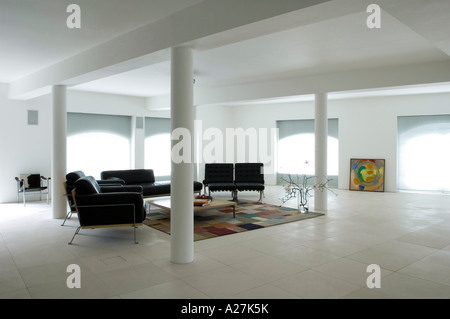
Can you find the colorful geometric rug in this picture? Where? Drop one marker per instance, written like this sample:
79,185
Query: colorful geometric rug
250,215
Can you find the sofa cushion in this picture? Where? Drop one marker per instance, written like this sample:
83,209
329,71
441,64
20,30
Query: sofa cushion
131,176
87,185
218,172
249,173
214,187
249,186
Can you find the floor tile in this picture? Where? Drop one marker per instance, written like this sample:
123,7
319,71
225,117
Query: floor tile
267,291
348,270
392,254
434,267
223,282
168,290
268,268
399,285
305,256
312,284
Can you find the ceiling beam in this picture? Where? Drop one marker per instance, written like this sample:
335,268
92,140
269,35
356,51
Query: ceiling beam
150,43
361,79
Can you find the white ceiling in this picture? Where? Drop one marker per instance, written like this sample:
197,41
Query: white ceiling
331,37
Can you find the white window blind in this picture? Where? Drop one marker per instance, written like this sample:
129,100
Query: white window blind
158,146
296,148
98,142
424,153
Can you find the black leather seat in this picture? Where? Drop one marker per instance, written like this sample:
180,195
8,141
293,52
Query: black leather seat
69,185
107,206
219,177
249,177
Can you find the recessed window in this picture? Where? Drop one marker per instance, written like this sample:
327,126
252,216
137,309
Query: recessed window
94,152
97,142
296,149
158,146
423,153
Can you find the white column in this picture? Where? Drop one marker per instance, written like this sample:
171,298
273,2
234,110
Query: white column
137,155
182,120
59,138
321,136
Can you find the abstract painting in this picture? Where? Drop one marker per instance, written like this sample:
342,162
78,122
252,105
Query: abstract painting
367,174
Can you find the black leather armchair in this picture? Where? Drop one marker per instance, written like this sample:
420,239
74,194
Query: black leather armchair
249,177
69,185
107,206
219,177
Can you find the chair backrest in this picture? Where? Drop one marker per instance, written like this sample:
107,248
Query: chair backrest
131,176
30,180
72,177
249,172
87,185
34,180
218,172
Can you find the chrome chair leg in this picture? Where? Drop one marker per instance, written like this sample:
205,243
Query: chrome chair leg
76,232
69,214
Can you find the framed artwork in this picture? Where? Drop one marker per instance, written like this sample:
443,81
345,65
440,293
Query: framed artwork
367,174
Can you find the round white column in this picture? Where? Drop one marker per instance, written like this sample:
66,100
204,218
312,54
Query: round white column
59,146
321,137
182,186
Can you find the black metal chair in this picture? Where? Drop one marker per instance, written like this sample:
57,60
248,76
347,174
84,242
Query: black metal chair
249,177
219,177
32,183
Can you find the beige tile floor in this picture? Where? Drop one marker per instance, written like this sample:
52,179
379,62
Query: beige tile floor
406,234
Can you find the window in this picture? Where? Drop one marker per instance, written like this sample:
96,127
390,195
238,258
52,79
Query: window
96,143
423,153
158,146
296,148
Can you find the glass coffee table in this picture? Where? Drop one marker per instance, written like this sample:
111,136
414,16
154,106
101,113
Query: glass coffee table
214,203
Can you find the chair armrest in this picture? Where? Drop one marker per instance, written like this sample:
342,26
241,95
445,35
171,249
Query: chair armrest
111,198
19,182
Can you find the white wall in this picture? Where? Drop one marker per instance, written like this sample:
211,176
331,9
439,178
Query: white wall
215,117
367,126
24,148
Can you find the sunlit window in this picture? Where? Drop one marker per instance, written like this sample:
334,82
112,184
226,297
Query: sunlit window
157,154
423,162
296,155
94,152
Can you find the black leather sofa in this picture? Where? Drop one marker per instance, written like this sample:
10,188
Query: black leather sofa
144,178
107,206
